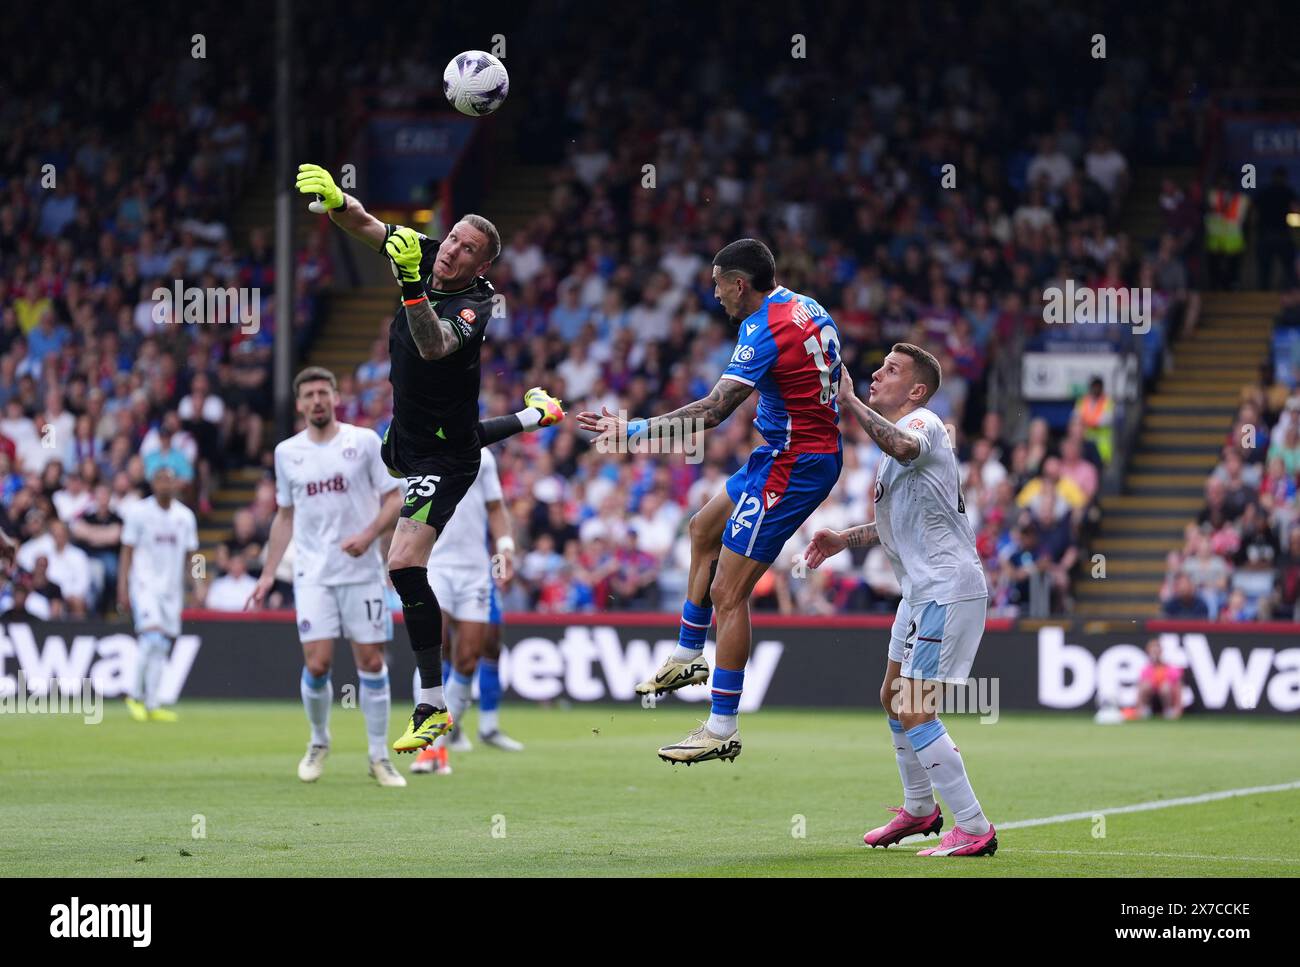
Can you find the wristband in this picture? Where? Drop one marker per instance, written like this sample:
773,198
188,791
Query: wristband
637,428
413,302
505,544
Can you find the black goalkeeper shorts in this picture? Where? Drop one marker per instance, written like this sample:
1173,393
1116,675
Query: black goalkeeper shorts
435,482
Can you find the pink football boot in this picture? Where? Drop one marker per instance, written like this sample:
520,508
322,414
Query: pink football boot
904,824
958,842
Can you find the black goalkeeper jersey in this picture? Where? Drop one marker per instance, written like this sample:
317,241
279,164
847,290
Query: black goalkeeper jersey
435,402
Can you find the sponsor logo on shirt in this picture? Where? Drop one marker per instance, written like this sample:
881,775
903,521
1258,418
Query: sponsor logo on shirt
337,484
743,354
468,315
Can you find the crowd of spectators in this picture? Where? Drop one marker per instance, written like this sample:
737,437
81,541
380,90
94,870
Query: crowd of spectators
1240,559
116,179
928,193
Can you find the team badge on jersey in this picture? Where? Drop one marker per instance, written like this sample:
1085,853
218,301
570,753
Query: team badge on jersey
350,453
917,424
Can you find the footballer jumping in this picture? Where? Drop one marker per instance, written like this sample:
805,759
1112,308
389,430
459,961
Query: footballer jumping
922,525
789,350
435,436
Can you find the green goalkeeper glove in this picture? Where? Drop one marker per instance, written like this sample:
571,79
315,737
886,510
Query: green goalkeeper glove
315,180
404,253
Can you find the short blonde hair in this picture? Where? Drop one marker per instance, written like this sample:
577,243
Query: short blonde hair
924,365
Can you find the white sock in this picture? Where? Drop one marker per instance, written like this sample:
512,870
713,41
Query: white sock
155,658
529,418
487,722
376,705
721,725
316,702
947,773
918,794
458,697
682,653
430,696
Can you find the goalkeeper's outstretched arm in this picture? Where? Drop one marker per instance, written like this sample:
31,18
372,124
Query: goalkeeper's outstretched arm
344,210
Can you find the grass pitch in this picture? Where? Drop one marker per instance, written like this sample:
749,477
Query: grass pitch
217,795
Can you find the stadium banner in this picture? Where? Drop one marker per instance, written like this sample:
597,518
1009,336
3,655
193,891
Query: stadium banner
1065,375
796,662
1265,141
410,155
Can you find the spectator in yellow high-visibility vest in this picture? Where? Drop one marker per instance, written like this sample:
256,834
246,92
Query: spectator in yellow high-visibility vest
1097,414
1225,219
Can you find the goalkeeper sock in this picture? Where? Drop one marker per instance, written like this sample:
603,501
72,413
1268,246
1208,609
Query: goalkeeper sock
496,428
424,628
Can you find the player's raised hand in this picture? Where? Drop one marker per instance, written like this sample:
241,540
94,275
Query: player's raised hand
315,180
258,598
846,382
404,253
825,543
607,426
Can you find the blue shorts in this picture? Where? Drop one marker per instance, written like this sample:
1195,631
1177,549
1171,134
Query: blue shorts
774,493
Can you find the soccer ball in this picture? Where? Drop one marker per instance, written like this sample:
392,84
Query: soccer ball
476,83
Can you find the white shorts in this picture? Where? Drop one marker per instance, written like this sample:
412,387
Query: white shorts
940,642
354,611
152,611
464,594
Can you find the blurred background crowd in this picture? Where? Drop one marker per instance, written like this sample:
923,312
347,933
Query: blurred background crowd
839,162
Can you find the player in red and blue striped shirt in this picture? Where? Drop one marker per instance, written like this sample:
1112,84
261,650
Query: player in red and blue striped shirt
788,349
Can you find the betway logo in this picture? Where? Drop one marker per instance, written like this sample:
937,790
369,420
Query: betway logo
109,662
1070,676
589,664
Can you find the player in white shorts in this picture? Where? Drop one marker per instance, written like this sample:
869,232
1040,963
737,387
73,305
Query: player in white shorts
335,501
921,523
159,534
461,574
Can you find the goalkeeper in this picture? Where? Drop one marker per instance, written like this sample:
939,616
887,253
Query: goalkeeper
435,437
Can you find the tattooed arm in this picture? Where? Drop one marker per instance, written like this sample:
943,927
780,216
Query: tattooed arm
434,337
713,409
864,535
899,444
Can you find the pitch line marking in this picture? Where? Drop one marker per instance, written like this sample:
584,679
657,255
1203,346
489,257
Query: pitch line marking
1171,856
1140,807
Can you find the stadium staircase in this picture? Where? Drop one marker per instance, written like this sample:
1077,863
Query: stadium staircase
1184,426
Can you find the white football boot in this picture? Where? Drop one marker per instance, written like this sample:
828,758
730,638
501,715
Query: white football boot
313,763
673,675
385,774
701,746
